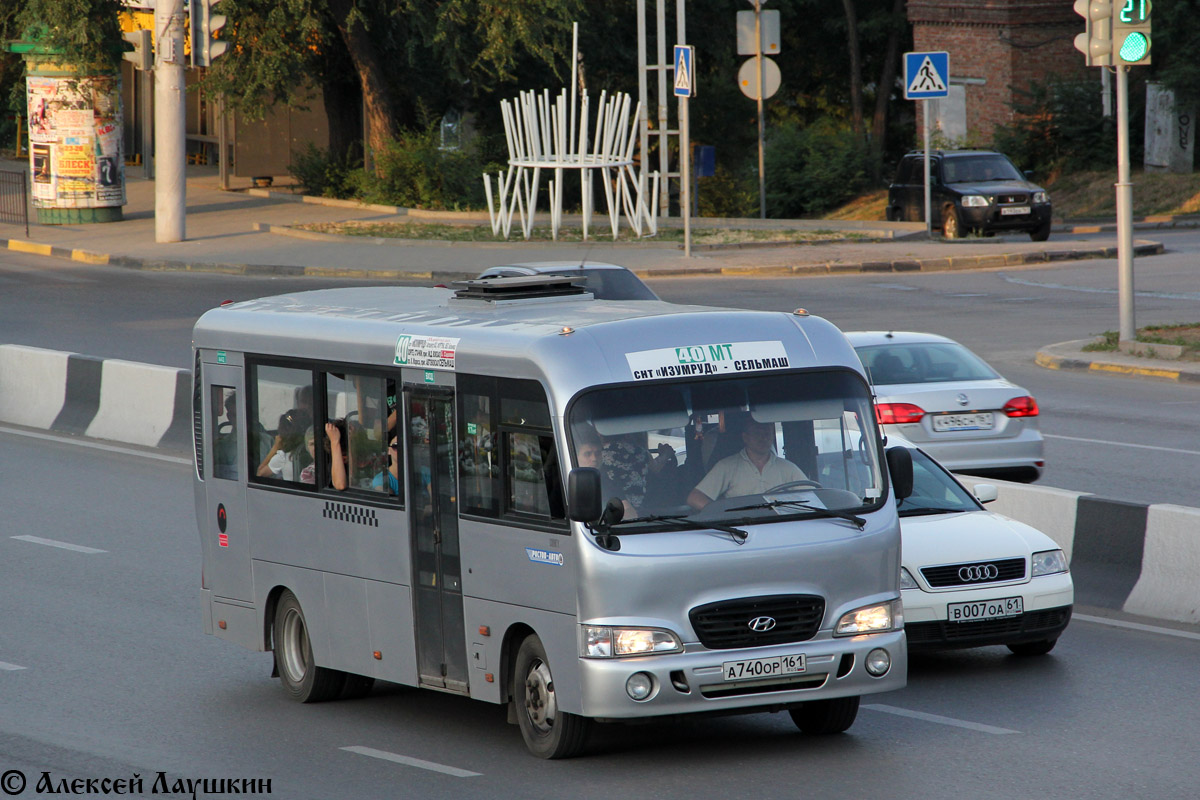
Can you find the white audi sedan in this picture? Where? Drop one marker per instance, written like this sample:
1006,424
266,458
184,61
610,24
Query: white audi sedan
971,577
948,401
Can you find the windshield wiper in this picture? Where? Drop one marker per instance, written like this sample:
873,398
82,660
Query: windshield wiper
816,512
926,511
684,521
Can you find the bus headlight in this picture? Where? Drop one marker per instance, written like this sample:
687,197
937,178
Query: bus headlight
601,641
870,619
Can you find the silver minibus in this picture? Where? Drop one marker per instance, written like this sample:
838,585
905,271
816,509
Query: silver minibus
587,511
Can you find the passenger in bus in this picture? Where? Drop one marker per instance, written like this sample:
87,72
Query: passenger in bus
391,476
755,468
309,473
280,460
587,448
338,458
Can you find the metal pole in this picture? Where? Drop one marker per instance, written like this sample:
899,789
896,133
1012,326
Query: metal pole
762,89
664,156
1125,292
147,79
685,141
928,199
170,145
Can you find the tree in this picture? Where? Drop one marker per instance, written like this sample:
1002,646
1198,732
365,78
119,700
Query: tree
86,32
404,55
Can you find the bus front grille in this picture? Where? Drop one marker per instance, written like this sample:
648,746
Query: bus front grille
758,621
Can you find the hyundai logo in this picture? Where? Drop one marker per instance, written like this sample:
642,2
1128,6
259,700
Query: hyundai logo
762,624
978,572
962,399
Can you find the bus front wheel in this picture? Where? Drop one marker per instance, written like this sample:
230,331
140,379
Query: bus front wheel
822,717
301,678
548,731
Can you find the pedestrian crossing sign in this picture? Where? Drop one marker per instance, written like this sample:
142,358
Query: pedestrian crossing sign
685,72
926,75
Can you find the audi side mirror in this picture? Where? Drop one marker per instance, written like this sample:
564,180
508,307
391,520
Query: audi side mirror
986,492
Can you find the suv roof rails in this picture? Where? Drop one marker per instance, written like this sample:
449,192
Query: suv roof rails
518,287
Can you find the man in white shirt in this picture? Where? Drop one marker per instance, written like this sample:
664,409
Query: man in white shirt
752,470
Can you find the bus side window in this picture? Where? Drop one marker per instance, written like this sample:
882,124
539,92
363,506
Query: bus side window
533,470
362,402
526,474
279,424
478,452
224,432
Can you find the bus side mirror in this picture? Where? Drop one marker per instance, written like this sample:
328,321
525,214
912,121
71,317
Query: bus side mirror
584,502
899,461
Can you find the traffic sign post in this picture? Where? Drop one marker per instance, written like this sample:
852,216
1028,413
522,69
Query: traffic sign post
926,77
685,88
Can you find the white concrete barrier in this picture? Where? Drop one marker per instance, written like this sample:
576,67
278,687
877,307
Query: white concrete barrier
33,385
1169,586
137,403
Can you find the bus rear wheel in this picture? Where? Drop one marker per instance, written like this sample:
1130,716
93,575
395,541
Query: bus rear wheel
303,680
823,717
548,731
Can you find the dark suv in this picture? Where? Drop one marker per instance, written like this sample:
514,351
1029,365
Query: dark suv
970,190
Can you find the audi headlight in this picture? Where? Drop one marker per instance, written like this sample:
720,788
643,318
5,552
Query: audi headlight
1049,562
974,201
906,580
601,641
870,619
1041,197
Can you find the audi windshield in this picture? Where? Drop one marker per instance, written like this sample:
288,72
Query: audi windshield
732,451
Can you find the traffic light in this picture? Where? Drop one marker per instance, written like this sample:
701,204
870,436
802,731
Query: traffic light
1096,42
205,26
142,54
1131,31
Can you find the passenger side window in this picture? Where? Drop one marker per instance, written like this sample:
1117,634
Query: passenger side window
224,432
478,453
279,425
357,406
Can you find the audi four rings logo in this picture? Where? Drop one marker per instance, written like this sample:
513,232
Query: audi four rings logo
978,572
762,624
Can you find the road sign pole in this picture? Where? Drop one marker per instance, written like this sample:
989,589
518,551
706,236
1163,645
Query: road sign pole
762,89
1125,293
928,200
685,175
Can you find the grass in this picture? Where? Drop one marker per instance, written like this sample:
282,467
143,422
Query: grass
597,233
1186,335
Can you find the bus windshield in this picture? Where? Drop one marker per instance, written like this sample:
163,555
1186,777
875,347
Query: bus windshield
745,450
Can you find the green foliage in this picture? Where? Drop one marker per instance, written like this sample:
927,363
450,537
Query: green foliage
727,194
1176,50
324,174
412,172
86,31
1059,127
813,169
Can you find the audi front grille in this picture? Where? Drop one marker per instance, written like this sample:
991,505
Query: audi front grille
977,573
727,624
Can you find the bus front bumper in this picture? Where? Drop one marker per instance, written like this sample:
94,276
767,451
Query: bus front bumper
695,681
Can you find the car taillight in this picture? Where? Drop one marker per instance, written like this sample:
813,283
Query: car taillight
898,413
1021,407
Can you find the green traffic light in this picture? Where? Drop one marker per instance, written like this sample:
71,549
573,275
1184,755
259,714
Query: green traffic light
1135,47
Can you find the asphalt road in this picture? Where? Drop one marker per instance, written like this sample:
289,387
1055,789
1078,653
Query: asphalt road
1132,439
105,673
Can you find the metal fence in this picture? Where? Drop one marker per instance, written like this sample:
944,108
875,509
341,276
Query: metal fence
14,199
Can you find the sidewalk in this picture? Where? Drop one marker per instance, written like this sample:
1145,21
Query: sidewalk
251,232
1072,356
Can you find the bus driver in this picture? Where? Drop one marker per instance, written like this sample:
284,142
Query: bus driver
752,470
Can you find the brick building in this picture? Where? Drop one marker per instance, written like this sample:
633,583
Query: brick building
994,45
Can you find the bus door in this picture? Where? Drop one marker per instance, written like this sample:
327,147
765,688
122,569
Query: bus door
433,520
225,527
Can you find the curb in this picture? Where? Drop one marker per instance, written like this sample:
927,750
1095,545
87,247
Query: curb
1047,358
950,263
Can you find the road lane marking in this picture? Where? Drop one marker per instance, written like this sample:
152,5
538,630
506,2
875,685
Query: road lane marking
4,665
1123,444
1137,626
78,548
1100,290
921,715
412,762
108,448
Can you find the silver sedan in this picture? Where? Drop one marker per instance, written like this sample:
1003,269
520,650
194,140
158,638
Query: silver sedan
948,401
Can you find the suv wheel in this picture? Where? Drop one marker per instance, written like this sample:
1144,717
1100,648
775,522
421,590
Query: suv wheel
1041,233
951,225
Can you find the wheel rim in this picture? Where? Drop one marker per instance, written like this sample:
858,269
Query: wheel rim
540,704
295,660
951,225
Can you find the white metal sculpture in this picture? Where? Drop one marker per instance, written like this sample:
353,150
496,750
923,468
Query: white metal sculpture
546,134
